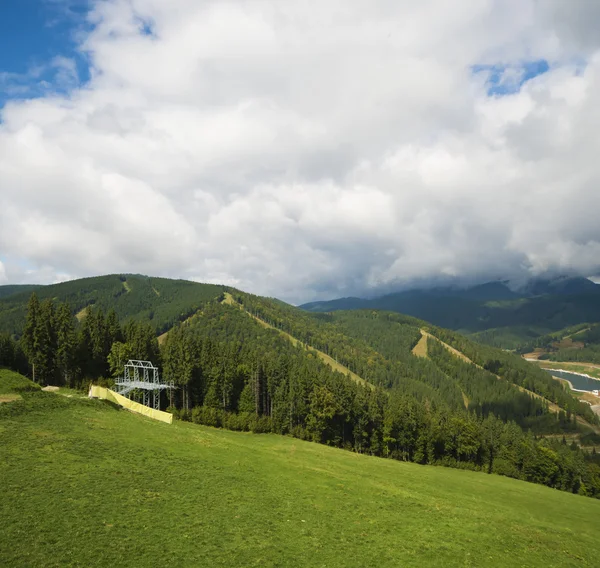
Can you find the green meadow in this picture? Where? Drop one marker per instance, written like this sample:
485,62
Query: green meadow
84,483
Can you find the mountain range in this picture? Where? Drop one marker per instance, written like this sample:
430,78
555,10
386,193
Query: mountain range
491,313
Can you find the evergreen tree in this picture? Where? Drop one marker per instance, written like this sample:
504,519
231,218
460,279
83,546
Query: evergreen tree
45,354
66,344
30,338
113,328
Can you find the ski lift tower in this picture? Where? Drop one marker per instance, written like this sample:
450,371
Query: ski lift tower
142,376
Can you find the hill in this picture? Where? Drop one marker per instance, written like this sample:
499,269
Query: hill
378,346
86,484
347,379
11,289
161,301
491,313
580,343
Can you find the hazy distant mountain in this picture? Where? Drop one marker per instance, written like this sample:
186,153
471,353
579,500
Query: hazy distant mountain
561,285
538,308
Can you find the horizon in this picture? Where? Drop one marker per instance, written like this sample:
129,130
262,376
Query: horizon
456,286
344,150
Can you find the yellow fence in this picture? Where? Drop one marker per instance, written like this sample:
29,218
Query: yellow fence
101,392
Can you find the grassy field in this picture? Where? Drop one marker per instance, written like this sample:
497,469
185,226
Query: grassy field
86,484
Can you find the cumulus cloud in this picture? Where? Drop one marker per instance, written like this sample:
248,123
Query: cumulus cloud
311,149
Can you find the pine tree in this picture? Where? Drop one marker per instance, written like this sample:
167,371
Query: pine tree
66,342
113,328
45,357
29,339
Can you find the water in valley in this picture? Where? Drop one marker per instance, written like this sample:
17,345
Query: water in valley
579,382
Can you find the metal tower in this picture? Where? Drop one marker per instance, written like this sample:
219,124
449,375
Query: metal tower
141,378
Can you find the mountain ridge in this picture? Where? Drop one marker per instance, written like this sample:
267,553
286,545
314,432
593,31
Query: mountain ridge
498,315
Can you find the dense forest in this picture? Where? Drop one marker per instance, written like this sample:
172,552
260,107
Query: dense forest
160,301
230,371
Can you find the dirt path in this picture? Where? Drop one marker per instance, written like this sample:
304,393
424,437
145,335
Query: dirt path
323,356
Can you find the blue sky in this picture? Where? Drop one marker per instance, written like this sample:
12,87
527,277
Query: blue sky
32,34
505,79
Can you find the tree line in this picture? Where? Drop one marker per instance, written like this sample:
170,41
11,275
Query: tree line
232,372
56,349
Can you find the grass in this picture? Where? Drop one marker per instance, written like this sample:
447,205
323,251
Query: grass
420,349
81,314
12,383
86,484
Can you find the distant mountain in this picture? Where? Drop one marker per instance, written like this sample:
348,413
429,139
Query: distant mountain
563,285
498,315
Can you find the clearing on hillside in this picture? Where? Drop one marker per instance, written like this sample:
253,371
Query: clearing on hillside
85,484
420,349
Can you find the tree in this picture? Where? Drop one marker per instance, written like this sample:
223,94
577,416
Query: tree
113,328
45,353
323,407
119,354
66,342
30,338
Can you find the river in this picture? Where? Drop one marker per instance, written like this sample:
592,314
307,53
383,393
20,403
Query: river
578,381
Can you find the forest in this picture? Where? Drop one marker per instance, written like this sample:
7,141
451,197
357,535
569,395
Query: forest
578,343
232,372
160,301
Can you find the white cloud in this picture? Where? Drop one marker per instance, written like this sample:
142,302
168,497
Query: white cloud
311,149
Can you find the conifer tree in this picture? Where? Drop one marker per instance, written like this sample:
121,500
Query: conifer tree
30,336
113,328
45,355
66,343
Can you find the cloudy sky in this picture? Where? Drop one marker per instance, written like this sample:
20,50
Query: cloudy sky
303,149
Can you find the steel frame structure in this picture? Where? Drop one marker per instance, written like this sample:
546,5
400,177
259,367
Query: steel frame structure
141,380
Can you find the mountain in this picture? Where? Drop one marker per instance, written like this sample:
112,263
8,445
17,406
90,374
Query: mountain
373,382
11,289
562,285
90,485
161,301
491,313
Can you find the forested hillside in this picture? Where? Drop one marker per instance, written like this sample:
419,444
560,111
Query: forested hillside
11,289
580,343
490,313
249,363
161,301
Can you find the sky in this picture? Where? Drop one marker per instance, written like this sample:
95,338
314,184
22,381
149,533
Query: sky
300,149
